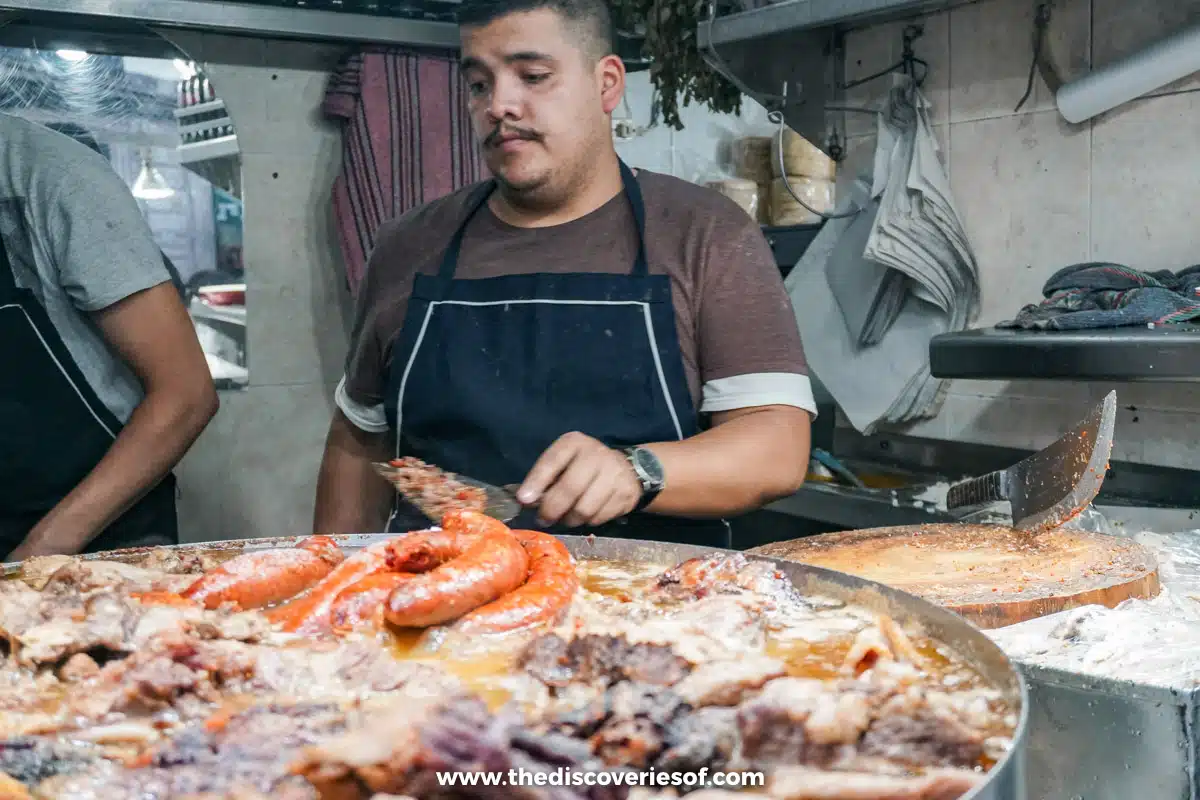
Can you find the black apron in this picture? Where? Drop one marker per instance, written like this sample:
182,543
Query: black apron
54,430
487,373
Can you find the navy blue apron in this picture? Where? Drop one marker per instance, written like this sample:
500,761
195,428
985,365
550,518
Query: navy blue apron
486,374
54,429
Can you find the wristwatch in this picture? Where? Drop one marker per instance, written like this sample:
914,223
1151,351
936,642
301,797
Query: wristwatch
649,472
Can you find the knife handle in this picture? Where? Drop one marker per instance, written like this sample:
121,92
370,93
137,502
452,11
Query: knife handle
978,491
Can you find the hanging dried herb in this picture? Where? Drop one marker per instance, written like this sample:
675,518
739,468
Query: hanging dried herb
678,72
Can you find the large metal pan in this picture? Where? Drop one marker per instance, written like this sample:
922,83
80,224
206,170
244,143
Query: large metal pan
1006,780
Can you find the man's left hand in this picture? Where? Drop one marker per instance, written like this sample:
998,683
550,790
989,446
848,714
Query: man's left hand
580,481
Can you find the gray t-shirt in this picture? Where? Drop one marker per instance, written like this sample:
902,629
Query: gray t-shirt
75,237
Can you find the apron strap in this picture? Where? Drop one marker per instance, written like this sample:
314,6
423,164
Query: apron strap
632,191
450,257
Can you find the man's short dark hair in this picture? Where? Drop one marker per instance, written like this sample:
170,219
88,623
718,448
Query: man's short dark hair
590,19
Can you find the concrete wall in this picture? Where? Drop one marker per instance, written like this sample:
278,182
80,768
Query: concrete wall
253,471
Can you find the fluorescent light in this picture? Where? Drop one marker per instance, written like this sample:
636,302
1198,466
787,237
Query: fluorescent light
1132,77
150,184
71,55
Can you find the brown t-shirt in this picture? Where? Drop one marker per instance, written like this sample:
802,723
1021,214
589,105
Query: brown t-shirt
737,331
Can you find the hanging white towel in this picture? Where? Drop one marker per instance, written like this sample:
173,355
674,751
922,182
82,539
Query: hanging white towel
873,289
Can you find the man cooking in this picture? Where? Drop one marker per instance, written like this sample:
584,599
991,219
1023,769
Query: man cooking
568,324
104,385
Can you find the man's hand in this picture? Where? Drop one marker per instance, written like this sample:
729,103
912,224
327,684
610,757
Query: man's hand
580,481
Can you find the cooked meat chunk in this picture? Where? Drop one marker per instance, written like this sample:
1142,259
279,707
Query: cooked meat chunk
724,574
180,562
399,750
247,753
600,659
78,667
910,731
89,575
800,721
32,759
706,737
803,783
35,572
726,683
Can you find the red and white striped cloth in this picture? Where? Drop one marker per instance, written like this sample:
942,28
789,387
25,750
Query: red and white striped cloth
406,140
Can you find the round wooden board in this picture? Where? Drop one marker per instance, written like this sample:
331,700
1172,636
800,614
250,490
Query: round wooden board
990,574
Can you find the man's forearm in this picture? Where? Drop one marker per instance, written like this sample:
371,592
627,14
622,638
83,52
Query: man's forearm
351,497
745,462
159,432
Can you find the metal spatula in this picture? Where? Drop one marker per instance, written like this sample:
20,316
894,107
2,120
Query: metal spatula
501,502
1053,485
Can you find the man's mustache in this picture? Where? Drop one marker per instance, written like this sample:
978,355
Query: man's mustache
509,132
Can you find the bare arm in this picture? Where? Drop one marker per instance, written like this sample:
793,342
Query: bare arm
154,335
351,497
750,457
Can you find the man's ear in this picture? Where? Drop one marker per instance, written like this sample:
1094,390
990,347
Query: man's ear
611,74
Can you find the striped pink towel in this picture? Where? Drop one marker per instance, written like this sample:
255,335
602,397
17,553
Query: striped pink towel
406,140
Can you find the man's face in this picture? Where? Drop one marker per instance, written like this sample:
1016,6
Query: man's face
538,101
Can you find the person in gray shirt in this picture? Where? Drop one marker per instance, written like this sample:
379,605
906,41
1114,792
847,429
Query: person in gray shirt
103,383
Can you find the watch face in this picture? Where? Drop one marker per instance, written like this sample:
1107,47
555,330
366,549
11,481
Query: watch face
650,465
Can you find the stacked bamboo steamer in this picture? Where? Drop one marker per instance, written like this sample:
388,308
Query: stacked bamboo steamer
810,173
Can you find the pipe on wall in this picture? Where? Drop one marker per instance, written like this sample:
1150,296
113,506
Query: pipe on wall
1157,66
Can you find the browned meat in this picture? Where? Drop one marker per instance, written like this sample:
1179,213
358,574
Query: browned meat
87,576
803,783
908,731
180,562
32,759
247,753
725,574
600,659
706,737
800,721
400,748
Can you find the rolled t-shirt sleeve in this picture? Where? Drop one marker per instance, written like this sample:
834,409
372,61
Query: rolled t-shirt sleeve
750,353
101,244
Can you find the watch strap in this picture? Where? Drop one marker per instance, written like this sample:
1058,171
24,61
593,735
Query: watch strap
650,490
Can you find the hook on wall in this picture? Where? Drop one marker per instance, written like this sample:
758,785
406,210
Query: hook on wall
907,65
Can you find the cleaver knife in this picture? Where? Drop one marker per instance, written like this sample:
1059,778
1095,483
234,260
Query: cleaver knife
1052,485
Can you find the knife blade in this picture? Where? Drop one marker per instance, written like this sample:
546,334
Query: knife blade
502,503
1052,485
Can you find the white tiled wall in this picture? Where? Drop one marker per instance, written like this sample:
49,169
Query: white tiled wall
1037,194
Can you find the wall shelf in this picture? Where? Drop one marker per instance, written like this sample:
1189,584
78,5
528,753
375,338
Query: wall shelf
1134,354
794,43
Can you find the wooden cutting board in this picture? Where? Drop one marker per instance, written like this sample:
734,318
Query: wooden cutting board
990,574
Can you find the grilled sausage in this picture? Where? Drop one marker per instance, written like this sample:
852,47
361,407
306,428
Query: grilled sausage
309,613
547,592
424,550
256,580
361,604
492,565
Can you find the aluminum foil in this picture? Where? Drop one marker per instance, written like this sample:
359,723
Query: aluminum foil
1154,642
